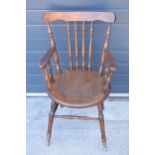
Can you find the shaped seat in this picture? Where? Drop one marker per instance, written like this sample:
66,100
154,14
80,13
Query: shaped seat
78,88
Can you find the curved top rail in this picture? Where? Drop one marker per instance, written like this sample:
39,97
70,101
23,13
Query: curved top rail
108,17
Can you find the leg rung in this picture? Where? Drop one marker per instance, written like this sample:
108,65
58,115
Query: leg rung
76,117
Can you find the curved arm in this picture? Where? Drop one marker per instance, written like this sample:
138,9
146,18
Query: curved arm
45,65
110,67
48,75
46,58
109,61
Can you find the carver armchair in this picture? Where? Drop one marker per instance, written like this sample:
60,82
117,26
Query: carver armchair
79,86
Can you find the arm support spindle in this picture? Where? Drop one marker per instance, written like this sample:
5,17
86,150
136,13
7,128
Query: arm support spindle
107,60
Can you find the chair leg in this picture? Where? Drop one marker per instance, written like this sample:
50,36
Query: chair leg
102,124
50,121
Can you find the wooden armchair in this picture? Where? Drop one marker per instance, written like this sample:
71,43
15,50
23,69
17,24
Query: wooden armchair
79,86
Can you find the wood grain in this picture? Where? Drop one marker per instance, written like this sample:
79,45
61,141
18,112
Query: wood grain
76,87
106,48
53,45
90,47
76,45
54,107
80,16
102,124
76,117
83,44
46,58
69,46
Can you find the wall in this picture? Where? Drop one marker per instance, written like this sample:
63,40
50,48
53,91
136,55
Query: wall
38,42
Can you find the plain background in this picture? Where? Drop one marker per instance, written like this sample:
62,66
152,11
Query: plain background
13,77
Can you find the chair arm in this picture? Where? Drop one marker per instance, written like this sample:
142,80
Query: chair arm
111,67
109,61
46,58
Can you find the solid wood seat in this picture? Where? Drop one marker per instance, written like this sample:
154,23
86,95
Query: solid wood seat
78,88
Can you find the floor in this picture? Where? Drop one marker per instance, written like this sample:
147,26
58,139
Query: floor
72,137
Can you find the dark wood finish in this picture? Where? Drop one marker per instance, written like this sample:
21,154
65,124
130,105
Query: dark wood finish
90,47
78,87
48,75
80,16
50,121
46,58
83,44
69,46
102,124
106,48
76,45
76,117
53,45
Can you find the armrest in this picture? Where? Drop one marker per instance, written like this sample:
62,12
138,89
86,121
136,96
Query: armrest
109,60
46,58
111,67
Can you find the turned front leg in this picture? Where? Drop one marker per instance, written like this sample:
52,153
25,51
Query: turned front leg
102,123
50,121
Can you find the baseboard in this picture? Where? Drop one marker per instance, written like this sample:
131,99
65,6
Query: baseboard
45,94
36,94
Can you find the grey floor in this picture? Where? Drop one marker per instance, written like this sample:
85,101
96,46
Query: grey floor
77,137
